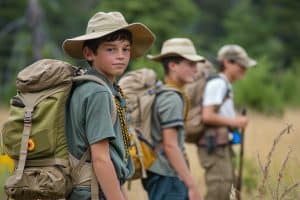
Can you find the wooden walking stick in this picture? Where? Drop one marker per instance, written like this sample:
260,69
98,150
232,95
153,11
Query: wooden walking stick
241,161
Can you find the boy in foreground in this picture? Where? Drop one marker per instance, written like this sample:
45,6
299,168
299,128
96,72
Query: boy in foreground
108,45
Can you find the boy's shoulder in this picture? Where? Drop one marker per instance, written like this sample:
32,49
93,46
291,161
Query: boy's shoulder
168,90
90,87
169,97
216,82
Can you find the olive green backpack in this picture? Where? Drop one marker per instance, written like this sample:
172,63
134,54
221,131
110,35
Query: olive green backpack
34,135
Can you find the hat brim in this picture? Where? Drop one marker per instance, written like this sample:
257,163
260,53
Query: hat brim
194,58
251,63
142,40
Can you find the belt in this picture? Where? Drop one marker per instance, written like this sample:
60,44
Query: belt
217,145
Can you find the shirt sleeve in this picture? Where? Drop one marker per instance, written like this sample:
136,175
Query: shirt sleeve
170,109
98,121
214,92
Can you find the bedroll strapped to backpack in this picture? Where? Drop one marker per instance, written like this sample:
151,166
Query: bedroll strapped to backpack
140,88
34,132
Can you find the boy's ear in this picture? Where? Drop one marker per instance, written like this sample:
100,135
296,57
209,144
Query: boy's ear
171,65
88,54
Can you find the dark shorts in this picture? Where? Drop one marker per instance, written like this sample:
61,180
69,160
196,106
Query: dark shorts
164,187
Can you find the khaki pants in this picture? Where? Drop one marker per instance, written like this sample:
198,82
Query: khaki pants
219,172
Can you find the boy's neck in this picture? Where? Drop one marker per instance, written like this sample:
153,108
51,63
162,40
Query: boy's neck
109,78
228,76
173,82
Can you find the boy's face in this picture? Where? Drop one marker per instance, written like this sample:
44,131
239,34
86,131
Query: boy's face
111,58
185,71
235,70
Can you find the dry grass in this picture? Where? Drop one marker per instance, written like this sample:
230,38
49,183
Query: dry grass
259,138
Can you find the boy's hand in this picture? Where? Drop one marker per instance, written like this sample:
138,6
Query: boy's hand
194,193
240,122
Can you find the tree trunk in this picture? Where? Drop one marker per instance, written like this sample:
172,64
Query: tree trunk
34,19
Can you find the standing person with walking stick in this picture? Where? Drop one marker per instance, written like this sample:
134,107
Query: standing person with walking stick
220,118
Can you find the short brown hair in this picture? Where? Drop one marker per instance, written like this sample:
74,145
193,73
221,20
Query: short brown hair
93,44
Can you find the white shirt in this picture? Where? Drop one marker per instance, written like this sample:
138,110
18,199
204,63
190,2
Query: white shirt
215,92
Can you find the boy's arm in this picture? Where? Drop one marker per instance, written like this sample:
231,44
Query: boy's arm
210,116
124,191
105,171
178,162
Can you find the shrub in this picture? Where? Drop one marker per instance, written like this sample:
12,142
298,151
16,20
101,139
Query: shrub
258,91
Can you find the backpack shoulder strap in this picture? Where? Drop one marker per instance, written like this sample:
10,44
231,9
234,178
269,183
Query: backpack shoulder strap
182,94
167,88
87,77
228,90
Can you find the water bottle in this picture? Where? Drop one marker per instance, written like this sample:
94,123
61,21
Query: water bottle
235,137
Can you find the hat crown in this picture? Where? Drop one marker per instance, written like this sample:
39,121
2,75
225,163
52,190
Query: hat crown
233,51
179,46
183,47
236,53
102,21
102,24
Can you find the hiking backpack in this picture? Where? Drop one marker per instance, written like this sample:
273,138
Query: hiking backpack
140,88
194,127
34,135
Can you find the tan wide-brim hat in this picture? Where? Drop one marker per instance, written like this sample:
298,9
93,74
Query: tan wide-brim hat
236,53
183,47
102,24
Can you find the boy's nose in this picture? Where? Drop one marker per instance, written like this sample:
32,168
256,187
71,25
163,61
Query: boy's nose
121,54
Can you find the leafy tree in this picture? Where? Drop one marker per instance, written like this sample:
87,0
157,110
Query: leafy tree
33,29
12,22
166,18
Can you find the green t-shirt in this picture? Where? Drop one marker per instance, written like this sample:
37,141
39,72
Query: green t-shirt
167,112
89,120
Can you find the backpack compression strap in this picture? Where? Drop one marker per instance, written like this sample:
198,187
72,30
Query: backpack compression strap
30,102
89,173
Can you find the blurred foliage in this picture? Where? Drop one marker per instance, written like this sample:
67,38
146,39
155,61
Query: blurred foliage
250,177
269,30
258,90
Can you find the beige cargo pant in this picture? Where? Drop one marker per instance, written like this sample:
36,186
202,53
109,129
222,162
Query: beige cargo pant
219,172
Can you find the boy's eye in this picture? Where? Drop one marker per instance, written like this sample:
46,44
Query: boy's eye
126,49
110,49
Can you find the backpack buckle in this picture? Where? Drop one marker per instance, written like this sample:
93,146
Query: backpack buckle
28,117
